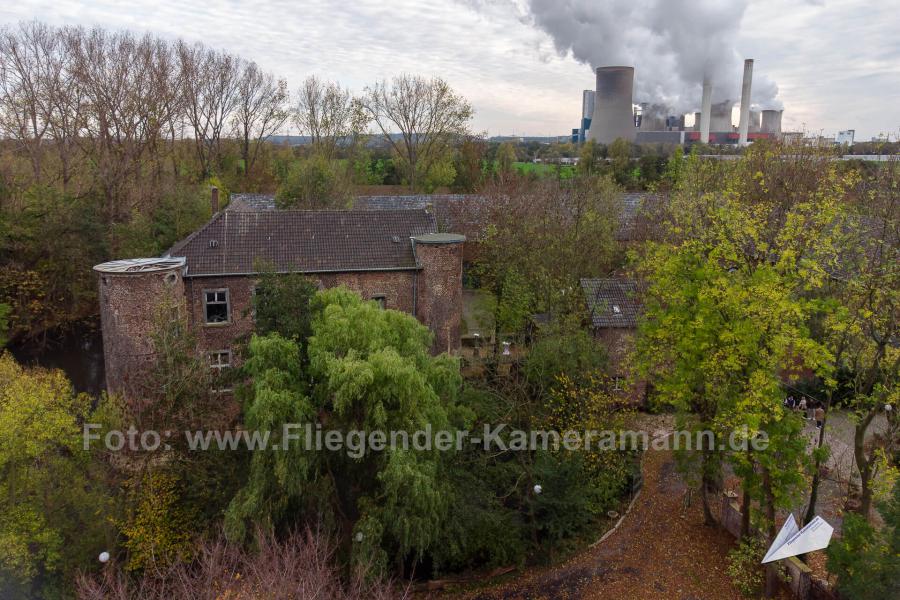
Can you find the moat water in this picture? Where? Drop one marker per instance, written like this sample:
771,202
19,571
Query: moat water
78,353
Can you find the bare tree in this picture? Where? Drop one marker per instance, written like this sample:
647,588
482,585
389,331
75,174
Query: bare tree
260,110
23,88
212,83
300,567
427,114
124,80
328,114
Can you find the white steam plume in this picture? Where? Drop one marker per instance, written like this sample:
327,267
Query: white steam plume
672,45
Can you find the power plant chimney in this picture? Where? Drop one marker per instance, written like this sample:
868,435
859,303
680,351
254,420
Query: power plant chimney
613,114
705,107
744,123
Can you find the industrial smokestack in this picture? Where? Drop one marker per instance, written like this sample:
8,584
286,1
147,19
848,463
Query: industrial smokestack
613,114
705,111
744,123
697,121
771,121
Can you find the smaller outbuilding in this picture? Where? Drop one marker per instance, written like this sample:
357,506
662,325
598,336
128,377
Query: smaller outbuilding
614,307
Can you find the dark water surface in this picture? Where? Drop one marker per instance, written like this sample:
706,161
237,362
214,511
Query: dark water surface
78,353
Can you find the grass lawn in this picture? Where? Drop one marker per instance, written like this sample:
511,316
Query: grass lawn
545,170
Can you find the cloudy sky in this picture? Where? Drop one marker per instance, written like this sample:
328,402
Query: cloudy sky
836,63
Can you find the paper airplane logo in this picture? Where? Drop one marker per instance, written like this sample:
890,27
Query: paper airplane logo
792,540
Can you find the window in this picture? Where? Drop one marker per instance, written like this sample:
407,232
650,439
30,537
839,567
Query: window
381,301
220,359
220,363
215,306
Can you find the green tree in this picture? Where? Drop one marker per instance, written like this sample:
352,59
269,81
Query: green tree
506,156
4,323
543,237
314,183
369,370
54,504
728,312
866,559
281,305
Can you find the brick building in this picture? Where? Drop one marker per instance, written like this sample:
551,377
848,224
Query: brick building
394,257
614,307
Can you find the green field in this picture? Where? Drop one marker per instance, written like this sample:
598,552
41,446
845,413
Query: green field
545,169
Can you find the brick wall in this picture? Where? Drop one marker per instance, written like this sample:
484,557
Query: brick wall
128,301
130,306
439,291
619,343
395,286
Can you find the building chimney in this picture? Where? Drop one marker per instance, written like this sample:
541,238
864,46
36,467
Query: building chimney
705,109
744,123
214,200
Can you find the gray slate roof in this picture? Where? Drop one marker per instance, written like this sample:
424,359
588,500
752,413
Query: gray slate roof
612,302
250,202
233,242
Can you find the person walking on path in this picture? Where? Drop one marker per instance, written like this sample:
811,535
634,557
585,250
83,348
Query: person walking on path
802,407
820,417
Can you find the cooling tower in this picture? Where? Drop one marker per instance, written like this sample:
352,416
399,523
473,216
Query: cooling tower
696,121
744,123
704,111
613,115
771,121
755,116
721,117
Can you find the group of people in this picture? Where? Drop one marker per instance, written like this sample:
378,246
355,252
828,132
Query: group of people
811,409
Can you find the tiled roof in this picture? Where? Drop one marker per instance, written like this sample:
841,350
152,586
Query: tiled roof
412,201
235,242
612,302
636,219
250,202
457,213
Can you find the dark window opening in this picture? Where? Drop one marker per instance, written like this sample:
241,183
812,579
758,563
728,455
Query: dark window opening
220,363
221,359
215,306
381,301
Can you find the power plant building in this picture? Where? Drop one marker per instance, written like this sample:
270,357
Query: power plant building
609,113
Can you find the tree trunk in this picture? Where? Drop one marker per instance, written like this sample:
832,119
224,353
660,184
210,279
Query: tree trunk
814,488
771,573
706,485
863,463
745,513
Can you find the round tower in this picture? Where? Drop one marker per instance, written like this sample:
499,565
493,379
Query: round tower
133,295
439,287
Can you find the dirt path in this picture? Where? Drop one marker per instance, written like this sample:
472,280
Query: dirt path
661,550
